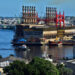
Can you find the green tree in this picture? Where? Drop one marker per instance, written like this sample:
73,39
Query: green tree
44,67
37,66
15,68
63,70
67,71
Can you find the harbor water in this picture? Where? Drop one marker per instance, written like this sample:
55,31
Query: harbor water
7,49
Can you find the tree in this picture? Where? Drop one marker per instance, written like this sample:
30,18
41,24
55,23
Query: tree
44,67
67,71
15,68
37,66
63,70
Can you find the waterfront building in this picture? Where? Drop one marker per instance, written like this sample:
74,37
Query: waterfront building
6,61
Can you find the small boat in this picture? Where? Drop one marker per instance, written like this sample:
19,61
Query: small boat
59,43
52,43
55,43
18,42
21,47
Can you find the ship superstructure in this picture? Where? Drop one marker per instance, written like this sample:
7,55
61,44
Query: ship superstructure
53,28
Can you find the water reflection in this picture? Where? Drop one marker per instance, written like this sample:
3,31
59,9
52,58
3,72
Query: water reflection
29,54
6,48
61,52
56,52
74,51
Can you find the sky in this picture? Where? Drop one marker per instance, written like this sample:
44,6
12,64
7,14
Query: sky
13,8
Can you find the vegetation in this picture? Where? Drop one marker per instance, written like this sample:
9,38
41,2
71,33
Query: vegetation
37,66
15,68
44,67
63,70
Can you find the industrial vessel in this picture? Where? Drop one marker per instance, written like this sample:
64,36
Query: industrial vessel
45,32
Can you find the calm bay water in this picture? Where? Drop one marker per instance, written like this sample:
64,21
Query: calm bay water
5,43
7,49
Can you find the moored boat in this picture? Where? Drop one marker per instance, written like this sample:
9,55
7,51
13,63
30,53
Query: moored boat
22,47
60,43
55,43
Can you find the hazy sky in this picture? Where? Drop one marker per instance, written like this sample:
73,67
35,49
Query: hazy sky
9,8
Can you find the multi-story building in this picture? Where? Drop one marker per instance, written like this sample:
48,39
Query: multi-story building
70,20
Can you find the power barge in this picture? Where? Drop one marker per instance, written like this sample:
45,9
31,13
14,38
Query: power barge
48,30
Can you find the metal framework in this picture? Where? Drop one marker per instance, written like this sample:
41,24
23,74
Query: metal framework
30,16
60,18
